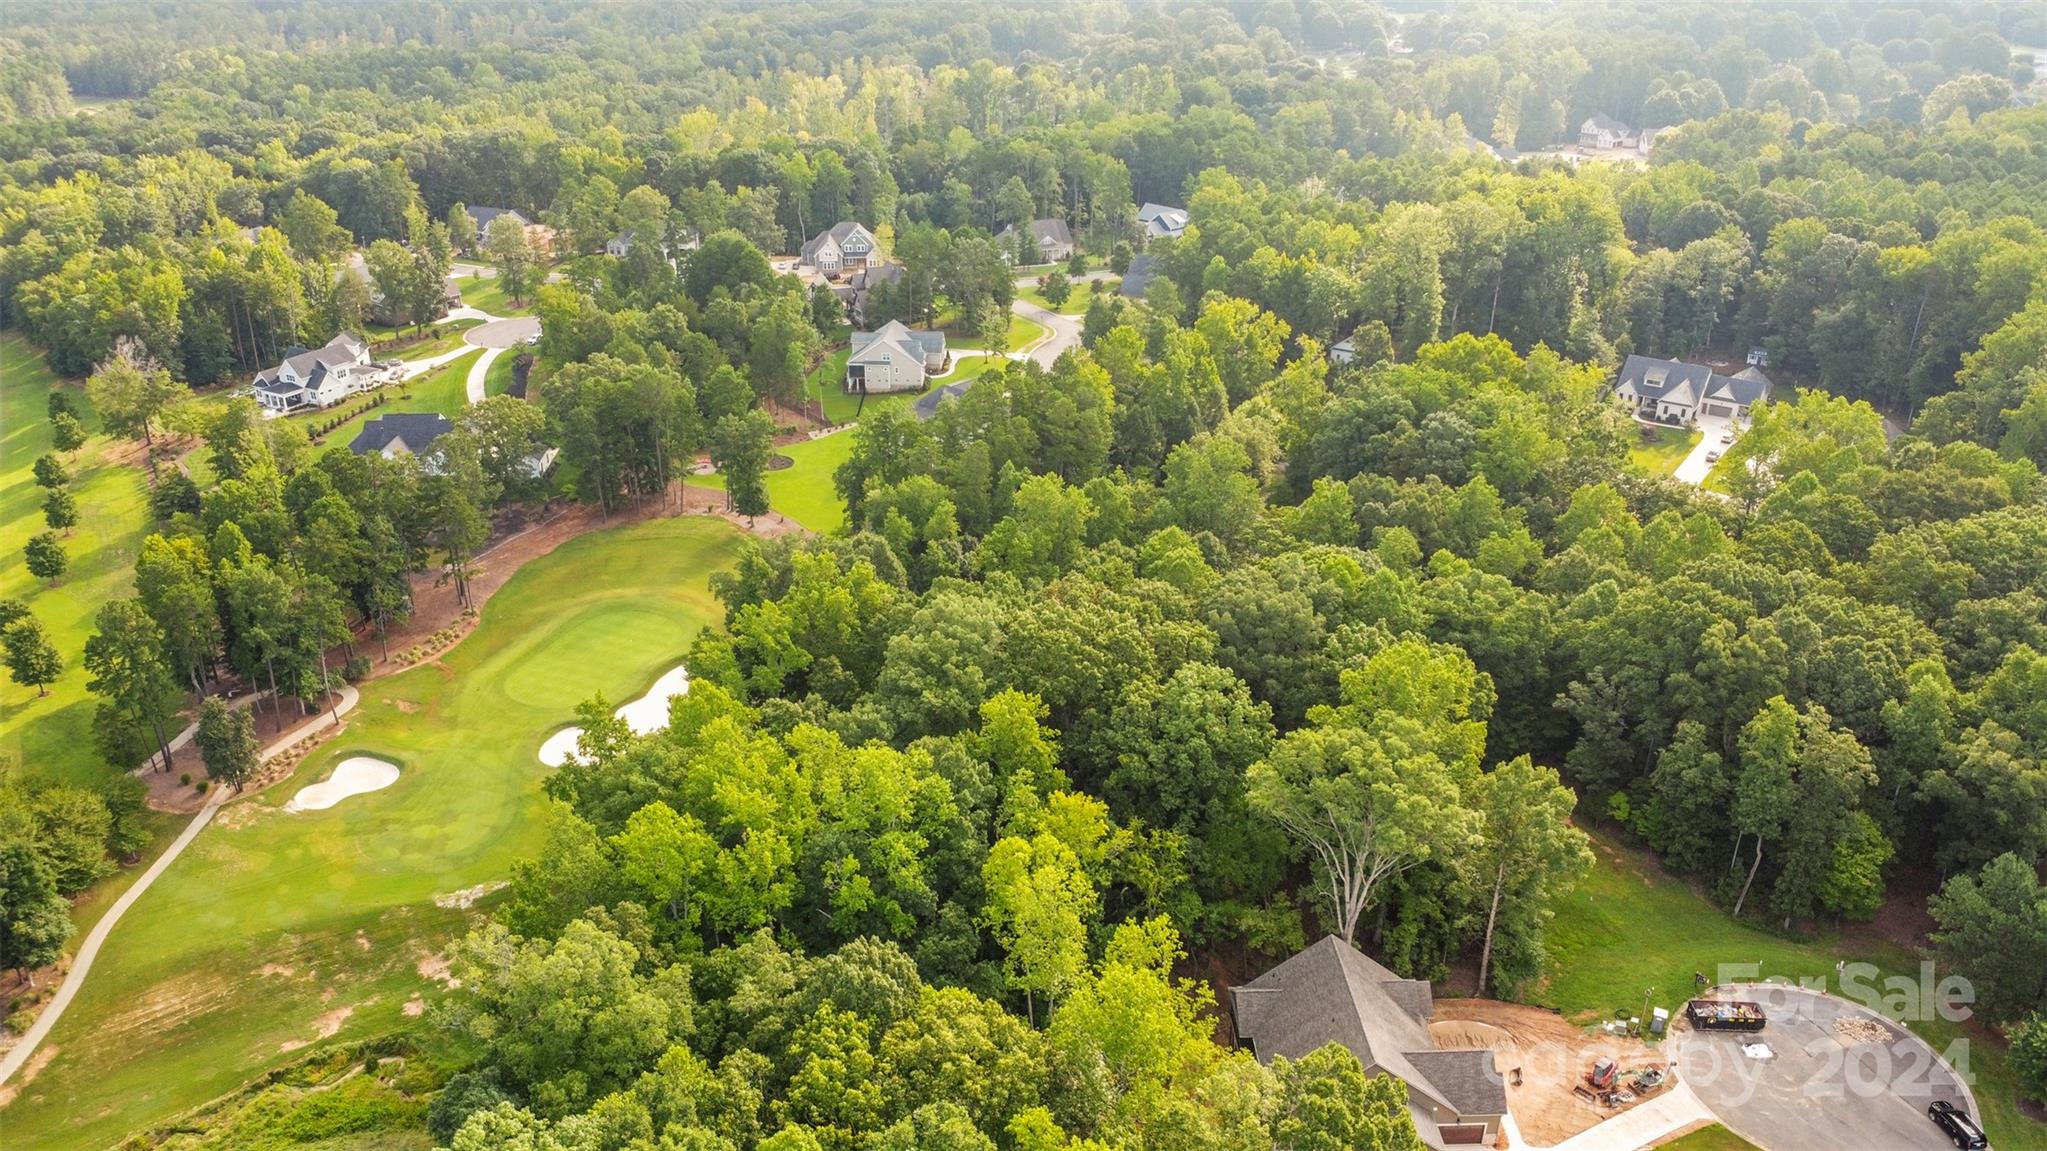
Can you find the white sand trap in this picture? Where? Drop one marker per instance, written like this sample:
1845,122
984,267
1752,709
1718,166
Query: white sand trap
352,776
644,716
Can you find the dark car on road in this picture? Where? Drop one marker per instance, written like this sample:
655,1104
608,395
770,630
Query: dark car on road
1961,1130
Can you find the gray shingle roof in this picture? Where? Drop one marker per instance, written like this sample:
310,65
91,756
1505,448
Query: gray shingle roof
894,336
841,232
483,217
1676,382
417,429
1046,232
1142,268
1468,1080
1601,122
342,349
1329,992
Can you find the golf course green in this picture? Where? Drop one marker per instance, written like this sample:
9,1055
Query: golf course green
274,931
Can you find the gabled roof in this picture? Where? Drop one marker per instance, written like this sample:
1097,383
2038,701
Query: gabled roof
483,217
416,429
839,233
1046,232
1676,382
1601,122
1329,992
895,337
1139,275
342,349
1176,217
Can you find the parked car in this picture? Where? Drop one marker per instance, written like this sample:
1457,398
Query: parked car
1713,456
533,340
1961,1130
1727,437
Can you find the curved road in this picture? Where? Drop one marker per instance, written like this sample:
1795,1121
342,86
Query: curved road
1062,332
81,964
495,337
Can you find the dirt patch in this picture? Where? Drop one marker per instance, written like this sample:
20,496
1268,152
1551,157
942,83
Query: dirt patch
276,969
28,1072
329,1025
467,897
435,967
414,1007
362,939
1547,1053
239,815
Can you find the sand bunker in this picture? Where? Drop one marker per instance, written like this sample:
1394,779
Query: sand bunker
352,776
645,715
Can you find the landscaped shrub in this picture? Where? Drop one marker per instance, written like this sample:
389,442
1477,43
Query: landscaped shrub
356,669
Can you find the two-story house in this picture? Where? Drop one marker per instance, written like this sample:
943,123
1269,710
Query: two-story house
841,250
317,378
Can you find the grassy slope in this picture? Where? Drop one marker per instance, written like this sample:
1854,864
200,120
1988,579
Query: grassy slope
498,379
1076,304
1631,926
828,382
443,390
1714,1138
447,342
52,737
486,293
179,1008
804,492
1661,456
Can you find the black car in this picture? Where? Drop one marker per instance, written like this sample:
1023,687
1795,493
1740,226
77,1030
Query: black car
1961,1130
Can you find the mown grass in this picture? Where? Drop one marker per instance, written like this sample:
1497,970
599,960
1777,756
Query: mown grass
1713,1138
449,339
51,737
1663,451
828,384
1630,927
497,380
270,923
487,294
804,492
1076,303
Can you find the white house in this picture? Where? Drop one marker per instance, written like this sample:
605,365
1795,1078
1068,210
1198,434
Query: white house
681,240
1672,392
1161,222
1055,241
894,358
840,250
1603,133
318,378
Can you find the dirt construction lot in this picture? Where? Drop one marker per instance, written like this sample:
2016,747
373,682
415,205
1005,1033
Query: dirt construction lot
1838,1076
1551,1054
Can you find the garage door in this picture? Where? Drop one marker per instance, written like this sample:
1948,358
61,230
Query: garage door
1462,1134
1719,410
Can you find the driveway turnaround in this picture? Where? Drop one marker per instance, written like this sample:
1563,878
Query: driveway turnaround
1820,1089
502,333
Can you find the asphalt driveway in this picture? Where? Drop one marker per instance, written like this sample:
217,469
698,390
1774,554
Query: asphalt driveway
503,333
1819,1091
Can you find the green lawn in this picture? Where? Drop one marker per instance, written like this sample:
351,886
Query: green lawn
486,293
1630,927
828,382
443,390
448,341
1713,1138
270,922
1663,452
51,737
1021,334
1075,305
497,380
804,491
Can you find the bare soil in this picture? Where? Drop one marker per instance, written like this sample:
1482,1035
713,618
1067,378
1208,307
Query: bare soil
1551,1056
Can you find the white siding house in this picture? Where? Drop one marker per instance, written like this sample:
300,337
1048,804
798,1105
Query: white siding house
894,358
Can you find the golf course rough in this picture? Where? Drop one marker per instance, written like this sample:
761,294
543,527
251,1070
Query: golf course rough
643,716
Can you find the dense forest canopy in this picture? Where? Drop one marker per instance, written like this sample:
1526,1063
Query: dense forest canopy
1196,641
